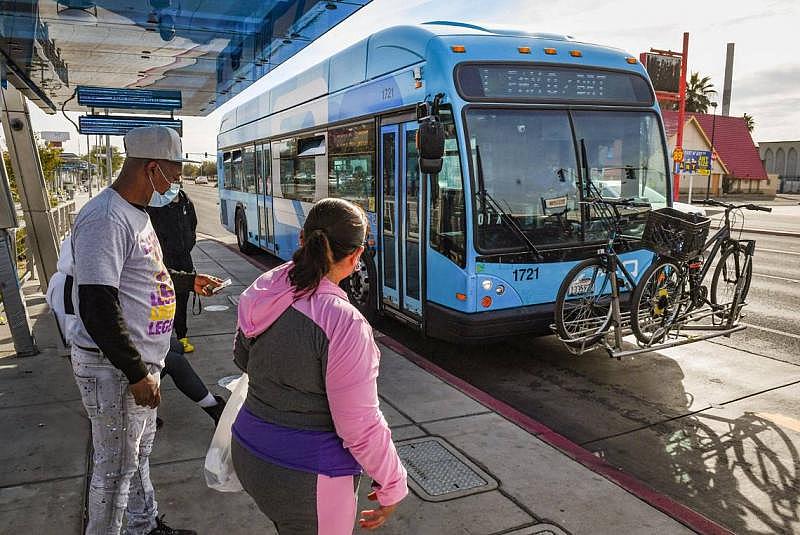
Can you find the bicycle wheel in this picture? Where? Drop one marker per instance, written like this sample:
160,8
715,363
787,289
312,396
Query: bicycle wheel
656,301
726,277
583,303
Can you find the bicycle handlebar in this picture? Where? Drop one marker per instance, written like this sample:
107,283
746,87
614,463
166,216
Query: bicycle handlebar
730,206
618,202
758,208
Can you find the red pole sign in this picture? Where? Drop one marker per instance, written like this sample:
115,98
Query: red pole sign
676,178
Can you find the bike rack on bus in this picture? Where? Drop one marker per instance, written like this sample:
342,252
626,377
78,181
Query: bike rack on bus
691,322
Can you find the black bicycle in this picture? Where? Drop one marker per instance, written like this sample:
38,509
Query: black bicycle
671,295
588,301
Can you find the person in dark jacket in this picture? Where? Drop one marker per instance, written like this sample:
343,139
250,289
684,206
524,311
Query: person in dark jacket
176,227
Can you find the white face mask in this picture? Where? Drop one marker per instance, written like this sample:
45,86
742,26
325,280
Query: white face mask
157,200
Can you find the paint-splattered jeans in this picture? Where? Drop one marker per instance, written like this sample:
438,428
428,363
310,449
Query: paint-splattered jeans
122,435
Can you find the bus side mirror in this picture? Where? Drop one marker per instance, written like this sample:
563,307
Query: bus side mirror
429,140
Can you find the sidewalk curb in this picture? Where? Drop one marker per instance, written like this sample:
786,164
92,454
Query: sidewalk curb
683,514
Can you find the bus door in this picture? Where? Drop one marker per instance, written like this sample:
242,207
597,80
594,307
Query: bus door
266,234
400,219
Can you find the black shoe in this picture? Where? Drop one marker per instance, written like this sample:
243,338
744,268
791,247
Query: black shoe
159,423
163,529
216,411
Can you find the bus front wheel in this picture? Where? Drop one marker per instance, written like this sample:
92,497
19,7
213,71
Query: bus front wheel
241,233
361,287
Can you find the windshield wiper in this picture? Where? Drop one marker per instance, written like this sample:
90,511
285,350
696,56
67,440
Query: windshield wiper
504,216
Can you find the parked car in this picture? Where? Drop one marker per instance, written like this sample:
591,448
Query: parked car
201,180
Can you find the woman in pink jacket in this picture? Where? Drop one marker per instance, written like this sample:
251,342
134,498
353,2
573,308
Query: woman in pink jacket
311,423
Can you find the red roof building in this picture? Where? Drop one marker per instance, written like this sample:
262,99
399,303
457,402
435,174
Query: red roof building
733,145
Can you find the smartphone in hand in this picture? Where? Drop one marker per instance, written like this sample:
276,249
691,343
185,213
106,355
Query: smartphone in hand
223,284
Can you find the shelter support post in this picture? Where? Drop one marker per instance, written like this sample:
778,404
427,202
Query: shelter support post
13,301
30,181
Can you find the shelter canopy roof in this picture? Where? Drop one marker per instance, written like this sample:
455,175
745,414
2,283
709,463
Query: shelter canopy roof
209,50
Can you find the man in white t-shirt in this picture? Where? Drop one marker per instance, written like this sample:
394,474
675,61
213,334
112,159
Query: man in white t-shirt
125,298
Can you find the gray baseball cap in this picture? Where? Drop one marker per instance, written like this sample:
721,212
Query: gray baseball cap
155,143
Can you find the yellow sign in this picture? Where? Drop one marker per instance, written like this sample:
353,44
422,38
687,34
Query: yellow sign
677,154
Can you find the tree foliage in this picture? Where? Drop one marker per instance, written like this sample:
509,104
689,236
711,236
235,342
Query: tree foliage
97,156
208,168
50,159
749,122
190,170
698,93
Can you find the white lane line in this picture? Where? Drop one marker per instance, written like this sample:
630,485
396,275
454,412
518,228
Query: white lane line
793,253
784,279
773,331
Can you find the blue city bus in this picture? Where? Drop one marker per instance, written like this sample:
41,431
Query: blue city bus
534,124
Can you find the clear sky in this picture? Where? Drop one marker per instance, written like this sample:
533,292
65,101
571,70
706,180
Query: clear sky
766,74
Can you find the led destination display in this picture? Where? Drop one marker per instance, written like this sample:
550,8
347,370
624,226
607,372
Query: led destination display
552,83
129,99
119,125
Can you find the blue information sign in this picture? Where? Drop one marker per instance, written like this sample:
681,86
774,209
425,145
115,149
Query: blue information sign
129,99
119,125
695,162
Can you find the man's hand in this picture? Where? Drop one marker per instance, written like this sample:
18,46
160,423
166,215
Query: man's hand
203,284
375,518
146,392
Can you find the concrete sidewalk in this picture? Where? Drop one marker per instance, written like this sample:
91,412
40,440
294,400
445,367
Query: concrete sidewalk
526,480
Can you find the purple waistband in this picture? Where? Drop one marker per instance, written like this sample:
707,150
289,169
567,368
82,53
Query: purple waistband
318,452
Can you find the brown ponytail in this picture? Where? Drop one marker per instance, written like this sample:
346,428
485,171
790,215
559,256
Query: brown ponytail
334,229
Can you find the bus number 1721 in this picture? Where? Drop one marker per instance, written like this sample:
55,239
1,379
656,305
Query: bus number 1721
526,274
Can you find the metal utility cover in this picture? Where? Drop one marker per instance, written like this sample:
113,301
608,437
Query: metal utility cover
437,472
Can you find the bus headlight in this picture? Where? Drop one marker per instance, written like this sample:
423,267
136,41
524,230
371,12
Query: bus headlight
487,285
500,290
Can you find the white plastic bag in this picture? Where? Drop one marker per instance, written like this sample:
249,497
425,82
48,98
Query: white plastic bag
219,471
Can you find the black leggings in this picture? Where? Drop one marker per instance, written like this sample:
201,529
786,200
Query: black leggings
181,303
183,375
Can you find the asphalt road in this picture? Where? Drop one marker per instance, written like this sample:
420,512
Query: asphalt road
206,198
716,425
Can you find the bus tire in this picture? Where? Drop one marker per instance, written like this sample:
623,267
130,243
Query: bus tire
362,287
241,233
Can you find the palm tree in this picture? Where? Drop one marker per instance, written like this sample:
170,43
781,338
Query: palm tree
749,121
698,93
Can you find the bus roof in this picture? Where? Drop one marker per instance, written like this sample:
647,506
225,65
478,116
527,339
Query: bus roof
401,47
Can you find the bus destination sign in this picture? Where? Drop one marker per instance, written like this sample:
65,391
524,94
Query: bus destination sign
129,99
551,83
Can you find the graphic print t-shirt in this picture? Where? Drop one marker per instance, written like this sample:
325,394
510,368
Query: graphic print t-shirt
114,244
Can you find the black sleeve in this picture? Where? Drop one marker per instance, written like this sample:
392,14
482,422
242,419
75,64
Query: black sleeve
183,281
193,223
101,314
241,350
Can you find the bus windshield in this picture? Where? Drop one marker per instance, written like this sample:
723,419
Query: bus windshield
528,163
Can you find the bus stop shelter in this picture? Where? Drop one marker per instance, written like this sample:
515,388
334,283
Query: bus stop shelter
207,52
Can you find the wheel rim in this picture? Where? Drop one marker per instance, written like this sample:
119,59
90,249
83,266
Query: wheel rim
659,301
587,303
728,279
359,286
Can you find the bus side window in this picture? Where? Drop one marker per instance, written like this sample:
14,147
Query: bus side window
351,164
248,170
236,170
298,168
226,171
448,211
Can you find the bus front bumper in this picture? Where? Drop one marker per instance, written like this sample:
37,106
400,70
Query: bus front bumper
454,326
